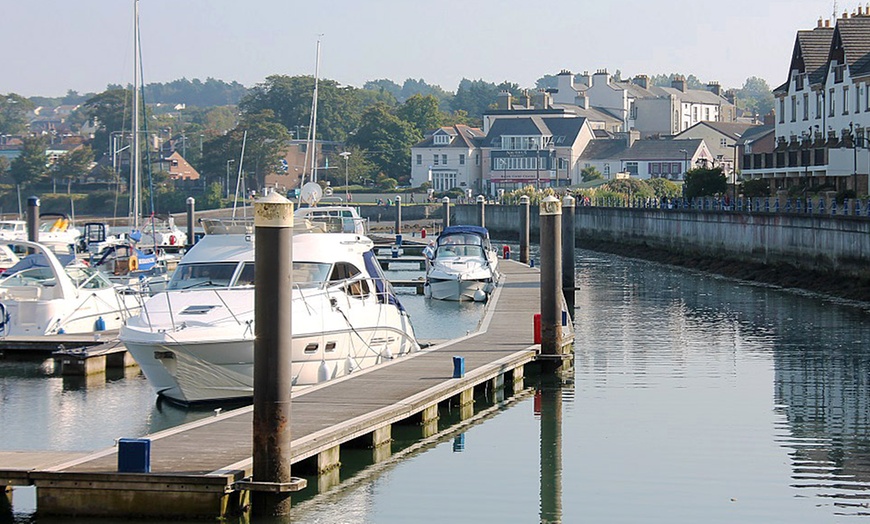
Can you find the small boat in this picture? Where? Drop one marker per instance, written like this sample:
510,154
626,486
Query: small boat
47,294
195,341
55,231
463,265
159,233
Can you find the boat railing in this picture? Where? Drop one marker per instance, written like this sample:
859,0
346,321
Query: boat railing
228,226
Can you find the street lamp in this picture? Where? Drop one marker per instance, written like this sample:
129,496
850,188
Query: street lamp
685,162
345,154
230,161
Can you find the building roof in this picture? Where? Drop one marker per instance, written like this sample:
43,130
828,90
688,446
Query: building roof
695,96
733,130
662,149
461,136
563,130
854,36
755,133
603,149
810,55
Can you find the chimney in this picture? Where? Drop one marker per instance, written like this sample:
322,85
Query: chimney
604,76
679,82
641,80
860,11
542,99
820,22
585,79
582,101
714,88
527,100
632,136
827,23
504,100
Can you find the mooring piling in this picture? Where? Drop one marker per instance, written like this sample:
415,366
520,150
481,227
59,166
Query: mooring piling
551,276
524,229
191,212
398,214
568,230
481,210
445,212
33,219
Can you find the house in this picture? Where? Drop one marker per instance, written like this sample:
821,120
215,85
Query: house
447,158
294,168
755,151
822,127
179,169
721,139
646,159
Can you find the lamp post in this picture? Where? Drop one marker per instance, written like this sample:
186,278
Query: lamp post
230,161
345,155
685,162
537,166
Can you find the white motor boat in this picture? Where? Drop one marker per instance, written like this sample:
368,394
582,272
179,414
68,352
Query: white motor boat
462,265
56,231
159,234
46,294
195,341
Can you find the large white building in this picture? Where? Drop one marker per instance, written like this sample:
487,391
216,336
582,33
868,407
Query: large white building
447,159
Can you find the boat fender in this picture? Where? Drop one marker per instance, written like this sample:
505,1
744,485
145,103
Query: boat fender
348,365
4,317
133,263
323,372
100,324
479,295
386,353
172,240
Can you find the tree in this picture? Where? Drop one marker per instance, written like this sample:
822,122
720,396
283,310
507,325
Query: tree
755,96
422,112
630,187
757,187
590,173
387,140
359,167
701,182
73,164
4,165
664,188
474,97
111,110
13,109
30,165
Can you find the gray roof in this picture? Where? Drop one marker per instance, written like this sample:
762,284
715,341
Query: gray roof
592,114
461,136
696,96
811,49
854,35
662,149
563,130
730,129
754,133
604,149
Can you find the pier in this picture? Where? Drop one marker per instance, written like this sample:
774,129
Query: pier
198,469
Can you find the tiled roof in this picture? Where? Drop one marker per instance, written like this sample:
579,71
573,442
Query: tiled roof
696,96
754,133
604,149
854,33
567,128
813,47
662,149
461,136
730,129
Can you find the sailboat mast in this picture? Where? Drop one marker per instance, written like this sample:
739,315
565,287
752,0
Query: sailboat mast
135,156
314,115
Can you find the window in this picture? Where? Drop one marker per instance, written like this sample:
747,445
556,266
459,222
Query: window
857,99
631,167
793,108
820,104
655,168
723,142
695,114
832,107
845,100
477,160
781,111
434,160
444,159
707,113
798,82
441,139
806,106
461,159
676,168
419,160
607,170
838,73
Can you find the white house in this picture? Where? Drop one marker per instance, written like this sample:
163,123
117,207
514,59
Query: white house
448,158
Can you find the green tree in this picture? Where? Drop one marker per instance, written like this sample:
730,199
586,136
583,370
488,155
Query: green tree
701,182
31,164
359,168
4,165
755,96
664,188
13,111
73,164
387,140
111,110
422,112
757,187
630,187
590,173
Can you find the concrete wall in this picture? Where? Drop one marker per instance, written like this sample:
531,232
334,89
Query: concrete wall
841,244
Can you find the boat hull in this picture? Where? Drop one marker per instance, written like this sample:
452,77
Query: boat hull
458,290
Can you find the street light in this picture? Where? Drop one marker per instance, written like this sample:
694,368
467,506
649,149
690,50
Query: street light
685,162
345,154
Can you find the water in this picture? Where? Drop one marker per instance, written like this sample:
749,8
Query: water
693,399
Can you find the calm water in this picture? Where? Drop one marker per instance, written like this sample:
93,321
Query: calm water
693,399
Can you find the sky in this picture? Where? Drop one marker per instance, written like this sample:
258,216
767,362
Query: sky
52,46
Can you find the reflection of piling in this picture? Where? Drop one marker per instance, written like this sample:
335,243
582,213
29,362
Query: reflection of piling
551,451
524,230
481,211
33,219
551,276
398,214
568,230
273,284
191,211
445,212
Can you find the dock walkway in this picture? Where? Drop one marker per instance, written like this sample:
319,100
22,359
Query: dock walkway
194,466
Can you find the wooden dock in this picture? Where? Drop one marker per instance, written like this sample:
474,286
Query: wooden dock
195,467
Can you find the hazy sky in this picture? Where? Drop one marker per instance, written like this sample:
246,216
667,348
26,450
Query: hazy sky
50,46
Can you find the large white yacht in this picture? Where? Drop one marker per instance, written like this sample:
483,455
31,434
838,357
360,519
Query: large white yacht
195,341
462,265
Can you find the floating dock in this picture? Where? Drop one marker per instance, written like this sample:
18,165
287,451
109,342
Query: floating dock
196,468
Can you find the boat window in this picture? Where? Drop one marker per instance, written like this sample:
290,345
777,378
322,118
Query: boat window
246,277
449,251
344,271
205,275
87,278
460,239
309,274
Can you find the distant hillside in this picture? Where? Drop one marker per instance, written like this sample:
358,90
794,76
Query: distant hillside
194,92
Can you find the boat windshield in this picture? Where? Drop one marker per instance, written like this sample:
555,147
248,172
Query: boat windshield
458,250
473,240
220,275
11,226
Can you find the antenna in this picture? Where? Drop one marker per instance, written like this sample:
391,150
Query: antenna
835,11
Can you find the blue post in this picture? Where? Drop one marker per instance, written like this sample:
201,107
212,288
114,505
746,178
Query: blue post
458,367
788,206
767,205
834,207
821,206
776,206
134,455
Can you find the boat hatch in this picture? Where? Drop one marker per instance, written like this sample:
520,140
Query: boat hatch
197,310
311,348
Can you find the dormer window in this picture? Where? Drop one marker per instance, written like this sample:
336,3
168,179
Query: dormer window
798,82
838,73
441,139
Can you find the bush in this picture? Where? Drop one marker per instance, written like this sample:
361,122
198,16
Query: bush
664,188
758,187
701,182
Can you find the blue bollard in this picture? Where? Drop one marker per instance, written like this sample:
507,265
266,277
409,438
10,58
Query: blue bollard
531,262
134,455
100,324
458,367
398,240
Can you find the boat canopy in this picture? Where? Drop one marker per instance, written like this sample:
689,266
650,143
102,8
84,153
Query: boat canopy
475,235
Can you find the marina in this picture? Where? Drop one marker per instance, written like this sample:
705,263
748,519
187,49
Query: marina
325,417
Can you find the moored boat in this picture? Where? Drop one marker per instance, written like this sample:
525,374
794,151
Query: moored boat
462,265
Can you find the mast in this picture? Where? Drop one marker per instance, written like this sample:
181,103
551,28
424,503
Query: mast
314,114
135,156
